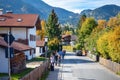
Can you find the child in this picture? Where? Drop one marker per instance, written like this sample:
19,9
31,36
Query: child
52,63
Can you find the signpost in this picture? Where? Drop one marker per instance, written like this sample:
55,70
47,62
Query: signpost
9,40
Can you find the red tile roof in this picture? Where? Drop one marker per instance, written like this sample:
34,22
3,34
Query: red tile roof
2,42
40,43
18,20
20,47
64,36
16,45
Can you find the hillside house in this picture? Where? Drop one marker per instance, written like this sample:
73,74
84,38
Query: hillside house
23,27
69,39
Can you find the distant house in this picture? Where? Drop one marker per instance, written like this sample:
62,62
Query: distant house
69,39
40,49
23,27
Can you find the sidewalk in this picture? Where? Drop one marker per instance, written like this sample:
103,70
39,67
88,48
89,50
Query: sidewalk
62,72
56,74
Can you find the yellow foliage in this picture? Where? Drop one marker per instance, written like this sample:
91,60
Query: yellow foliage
53,41
109,44
113,22
67,32
102,24
41,32
114,44
38,32
68,48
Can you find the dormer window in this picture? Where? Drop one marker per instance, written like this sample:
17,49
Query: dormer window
19,20
2,19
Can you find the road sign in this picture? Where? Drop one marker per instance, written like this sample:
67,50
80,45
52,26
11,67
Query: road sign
9,38
11,52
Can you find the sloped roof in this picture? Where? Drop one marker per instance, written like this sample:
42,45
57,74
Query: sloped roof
64,36
40,43
16,45
20,47
18,20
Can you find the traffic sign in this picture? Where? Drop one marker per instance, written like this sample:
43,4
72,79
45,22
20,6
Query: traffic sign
9,38
11,52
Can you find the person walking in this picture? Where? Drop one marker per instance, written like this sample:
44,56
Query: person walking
56,58
52,60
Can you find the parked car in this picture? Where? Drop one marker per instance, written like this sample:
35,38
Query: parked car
78,53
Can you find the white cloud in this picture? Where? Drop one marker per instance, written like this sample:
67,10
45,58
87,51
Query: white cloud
79,5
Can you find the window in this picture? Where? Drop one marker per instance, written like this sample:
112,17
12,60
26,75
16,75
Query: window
32,37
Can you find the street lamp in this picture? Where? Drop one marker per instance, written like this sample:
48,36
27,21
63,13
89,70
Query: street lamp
46,40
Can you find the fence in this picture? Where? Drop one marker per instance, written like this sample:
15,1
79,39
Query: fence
37,72
113,66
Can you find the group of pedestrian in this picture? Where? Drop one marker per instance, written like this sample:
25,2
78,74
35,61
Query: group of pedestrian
56,58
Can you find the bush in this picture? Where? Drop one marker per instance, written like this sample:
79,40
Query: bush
109,44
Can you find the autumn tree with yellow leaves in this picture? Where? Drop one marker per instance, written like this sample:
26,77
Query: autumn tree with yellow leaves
41,33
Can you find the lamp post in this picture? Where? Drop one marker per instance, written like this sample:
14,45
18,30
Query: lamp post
46,40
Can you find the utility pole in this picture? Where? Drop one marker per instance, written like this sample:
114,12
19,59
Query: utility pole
9,69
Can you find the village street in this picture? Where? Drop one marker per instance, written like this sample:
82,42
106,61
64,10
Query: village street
81,68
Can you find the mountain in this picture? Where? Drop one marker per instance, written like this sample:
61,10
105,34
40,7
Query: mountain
43,9
104,12
39,7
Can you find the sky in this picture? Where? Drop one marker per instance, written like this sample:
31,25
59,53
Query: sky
78,5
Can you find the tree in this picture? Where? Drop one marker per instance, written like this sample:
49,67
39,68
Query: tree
52,26
81,21
84,32
53,30
41,32
88,26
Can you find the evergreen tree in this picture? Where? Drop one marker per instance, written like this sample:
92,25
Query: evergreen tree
53,27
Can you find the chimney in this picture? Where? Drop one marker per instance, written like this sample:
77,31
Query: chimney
9,12
1,11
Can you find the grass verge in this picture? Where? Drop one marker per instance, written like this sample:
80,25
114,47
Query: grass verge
37,59
3,74
118,73
21,74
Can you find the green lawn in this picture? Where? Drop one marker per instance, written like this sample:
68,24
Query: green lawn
37,59
21,74
3,74
24,72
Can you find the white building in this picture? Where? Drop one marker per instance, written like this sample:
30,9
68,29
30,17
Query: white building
23,27
40,47
18,48
3,60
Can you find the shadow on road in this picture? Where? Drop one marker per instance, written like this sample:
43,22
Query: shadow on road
85,79
77,61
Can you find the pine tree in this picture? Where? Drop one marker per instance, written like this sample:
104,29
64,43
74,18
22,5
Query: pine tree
53,27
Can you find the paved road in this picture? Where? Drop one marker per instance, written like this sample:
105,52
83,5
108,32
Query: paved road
81,68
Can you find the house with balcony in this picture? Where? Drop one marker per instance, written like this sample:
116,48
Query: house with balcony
23,27
18,58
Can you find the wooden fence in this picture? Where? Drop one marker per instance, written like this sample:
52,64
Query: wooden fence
37,73
113,66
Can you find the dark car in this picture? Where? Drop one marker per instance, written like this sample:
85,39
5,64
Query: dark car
78,53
